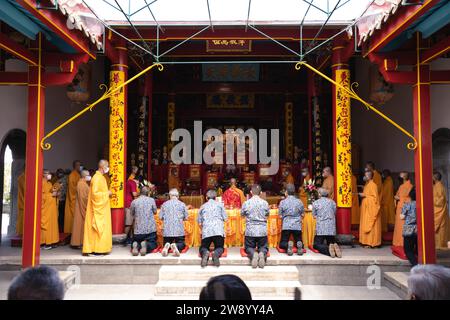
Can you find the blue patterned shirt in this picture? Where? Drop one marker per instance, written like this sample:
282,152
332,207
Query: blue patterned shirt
290,210
255,210
410,225
211,216
143,209
173,212
324,210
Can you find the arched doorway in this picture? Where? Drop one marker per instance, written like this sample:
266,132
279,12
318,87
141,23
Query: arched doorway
441,155
15,143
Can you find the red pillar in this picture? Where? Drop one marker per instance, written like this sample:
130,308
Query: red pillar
342,159
423,166
34,162
118,148
149,92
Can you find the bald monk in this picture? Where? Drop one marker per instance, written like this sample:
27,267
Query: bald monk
401,197
81,200
134,173
328,183
356,214
376,176
441,220
20,203
72,182
387,201
49,213
370,224
301,191
288,177
233,196
97,238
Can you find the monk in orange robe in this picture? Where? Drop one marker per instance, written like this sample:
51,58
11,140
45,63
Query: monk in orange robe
71,194
401,197
328,183
80,209
233,197
441,220
376,176
370,224
49,213
301,191
387,201
20,203
356,216
134,173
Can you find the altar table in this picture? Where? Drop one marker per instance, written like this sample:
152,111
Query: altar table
235,229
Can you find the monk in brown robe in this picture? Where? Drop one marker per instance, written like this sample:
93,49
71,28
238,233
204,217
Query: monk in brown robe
72,182
356,215
20,203
370,225
441,220
81,200
387,201
328,183
401,197
49,213
233,197
301,191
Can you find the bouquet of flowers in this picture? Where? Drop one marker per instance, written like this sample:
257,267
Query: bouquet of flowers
311,190
148,184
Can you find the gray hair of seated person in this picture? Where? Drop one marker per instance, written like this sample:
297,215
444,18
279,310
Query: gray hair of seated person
290,189
323,192
174,193
145,191
211,194
429,282
38,283
256,189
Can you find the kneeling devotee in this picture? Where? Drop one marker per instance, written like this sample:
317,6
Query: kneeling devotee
370,225
81,200
291,211
49,213
211,218
97,238
233,196
173,212
144,237
256,210
324,210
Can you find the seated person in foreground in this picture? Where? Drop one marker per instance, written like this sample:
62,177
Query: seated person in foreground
211,218
233,197
324,210
225,287
142,210
173,212
256,210
291,211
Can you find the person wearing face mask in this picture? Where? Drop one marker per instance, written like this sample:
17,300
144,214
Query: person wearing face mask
97,237
401,198
49,213
370,224
441,220
81,200
71,194
328,183
387,201
59,181
302,193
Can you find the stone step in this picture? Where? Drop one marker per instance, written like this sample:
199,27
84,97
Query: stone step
246,273
257,288
397,282
68,277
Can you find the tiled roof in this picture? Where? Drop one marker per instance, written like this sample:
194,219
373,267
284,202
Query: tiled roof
79,17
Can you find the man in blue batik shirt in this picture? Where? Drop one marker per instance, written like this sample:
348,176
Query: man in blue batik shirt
291,211
256,210
173,212
211,218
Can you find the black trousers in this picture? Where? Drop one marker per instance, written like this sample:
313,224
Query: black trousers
286,234
150,239
255,243
61,212
179,242
321,244
218,245
410,247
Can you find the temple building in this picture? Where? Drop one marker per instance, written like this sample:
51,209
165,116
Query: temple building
345,83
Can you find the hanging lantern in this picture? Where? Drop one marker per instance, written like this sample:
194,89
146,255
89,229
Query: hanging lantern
380,90
78,90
